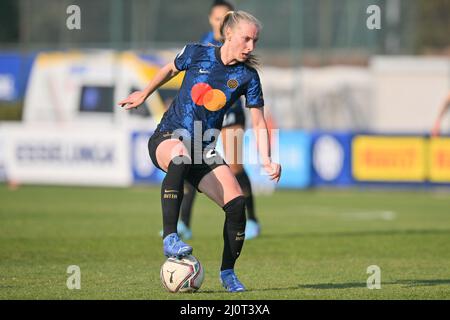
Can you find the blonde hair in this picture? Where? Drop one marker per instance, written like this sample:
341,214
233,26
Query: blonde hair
231,19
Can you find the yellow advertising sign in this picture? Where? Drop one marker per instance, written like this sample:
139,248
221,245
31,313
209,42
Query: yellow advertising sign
439,159
386,158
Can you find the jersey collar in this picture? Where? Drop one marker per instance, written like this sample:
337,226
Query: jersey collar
219,59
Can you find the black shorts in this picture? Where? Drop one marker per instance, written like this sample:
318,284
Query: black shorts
207,160
234,116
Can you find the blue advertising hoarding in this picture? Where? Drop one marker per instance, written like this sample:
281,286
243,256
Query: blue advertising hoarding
331,159
14,73
292,151
295,158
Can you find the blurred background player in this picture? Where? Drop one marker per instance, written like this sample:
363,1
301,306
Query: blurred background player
204,98
442,112
234,121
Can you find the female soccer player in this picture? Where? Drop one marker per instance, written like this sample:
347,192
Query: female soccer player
233,126
183,143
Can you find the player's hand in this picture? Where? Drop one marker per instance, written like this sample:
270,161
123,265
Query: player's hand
273,170
134,100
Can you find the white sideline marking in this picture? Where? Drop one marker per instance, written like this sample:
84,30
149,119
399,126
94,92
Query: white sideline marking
370,215
324,211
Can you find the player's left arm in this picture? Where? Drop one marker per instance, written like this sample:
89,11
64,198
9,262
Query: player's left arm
255,102
263,143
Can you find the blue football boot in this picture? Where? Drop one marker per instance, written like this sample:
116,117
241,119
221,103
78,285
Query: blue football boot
230,281
174,247
252,229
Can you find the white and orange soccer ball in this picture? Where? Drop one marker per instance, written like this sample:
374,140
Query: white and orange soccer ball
182,275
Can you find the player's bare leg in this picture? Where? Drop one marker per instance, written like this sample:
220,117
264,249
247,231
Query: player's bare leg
233,152
221,186
173,157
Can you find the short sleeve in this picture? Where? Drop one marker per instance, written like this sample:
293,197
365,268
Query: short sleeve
254,94
184,57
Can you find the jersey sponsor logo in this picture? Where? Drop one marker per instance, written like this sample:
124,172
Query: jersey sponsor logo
232,83
204,95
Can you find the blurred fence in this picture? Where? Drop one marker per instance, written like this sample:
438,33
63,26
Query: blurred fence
324,27
298,35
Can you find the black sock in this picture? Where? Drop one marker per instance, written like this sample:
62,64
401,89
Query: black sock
246,187
233,232
186,204
172,193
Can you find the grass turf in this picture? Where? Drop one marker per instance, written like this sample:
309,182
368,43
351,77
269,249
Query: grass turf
314,244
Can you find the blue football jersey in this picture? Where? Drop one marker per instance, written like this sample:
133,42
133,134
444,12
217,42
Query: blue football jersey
208,90
208,39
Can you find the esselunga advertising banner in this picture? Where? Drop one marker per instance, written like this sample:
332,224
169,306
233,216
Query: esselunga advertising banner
439,160
67,155
389,158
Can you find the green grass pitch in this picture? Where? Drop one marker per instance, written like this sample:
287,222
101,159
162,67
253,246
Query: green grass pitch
314,244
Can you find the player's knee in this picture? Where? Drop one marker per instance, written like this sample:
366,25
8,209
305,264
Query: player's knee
179,165
235,211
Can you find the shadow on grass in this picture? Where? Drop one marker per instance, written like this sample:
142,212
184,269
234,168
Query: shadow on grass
404,283
254,290
358,233
349,285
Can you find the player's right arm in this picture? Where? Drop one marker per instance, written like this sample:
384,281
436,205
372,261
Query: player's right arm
135,99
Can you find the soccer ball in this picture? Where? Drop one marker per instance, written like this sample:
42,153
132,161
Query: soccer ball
182,275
